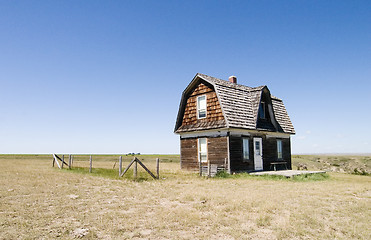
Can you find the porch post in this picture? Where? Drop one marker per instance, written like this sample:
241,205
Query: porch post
229,154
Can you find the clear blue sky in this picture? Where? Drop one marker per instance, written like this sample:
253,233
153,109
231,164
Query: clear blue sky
107,76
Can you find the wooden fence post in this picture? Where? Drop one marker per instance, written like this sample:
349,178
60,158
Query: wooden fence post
135,169
158,167
127,168
208,169
69,161
120,165
62,161
91,163
56,160
53,161
200,165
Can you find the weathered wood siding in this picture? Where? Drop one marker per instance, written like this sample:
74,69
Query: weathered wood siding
236,154
188,154
214,112
269,152
217,152
286,152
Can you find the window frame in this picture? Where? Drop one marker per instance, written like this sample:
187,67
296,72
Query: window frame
199,150
198,106
243,149
279,149
262,109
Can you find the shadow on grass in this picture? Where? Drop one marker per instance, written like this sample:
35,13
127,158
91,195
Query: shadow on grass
299,178
111,173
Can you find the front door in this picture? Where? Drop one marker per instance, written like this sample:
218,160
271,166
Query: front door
258,154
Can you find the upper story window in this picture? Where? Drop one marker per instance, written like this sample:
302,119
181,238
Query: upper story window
201,107
245,149
279,149
262,110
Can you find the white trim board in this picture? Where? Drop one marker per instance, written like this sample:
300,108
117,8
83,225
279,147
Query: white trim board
232,132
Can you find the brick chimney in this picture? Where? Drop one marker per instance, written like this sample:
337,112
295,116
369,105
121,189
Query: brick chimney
233,79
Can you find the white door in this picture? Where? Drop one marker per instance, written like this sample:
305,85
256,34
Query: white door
258,154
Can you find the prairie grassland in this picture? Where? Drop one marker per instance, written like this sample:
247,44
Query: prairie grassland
360,165
41,202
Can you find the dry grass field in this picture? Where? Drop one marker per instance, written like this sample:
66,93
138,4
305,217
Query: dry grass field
41,202
335,163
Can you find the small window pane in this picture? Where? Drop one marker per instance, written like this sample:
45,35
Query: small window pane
257,148
262,110
201,106
202,144
201,114
202,149
202,102
245,147
279,149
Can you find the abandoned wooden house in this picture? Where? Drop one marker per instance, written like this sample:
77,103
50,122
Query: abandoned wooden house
234,126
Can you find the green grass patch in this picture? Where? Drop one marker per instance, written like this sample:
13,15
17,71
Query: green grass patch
271,177
311,177
222,174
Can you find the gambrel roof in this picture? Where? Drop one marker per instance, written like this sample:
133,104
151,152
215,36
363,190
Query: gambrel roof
239,104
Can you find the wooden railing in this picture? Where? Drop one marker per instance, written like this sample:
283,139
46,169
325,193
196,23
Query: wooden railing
210,170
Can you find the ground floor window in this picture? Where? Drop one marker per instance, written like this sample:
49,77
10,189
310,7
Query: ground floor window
245,149
202,149
279,148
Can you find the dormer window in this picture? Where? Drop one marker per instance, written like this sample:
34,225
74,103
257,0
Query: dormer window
201,107
262,110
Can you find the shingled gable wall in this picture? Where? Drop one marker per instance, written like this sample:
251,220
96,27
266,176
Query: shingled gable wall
214,111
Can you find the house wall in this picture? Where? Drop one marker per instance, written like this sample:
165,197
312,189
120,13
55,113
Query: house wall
236,154
286,148
217,152
214,112
269,152
217,148
188,154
